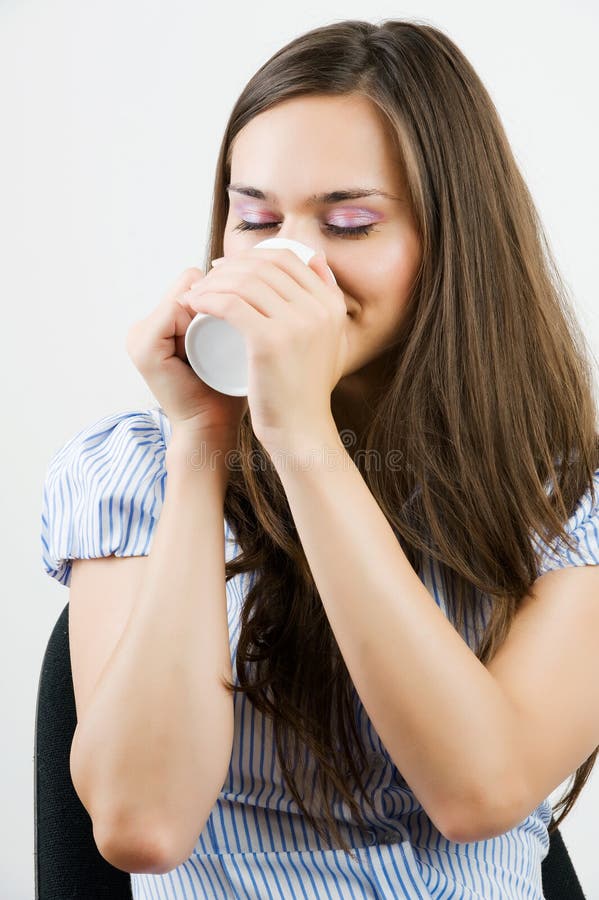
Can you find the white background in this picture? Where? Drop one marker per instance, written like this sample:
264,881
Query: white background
112,114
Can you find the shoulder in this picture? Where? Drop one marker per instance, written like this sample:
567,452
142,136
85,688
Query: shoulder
582,530
103,490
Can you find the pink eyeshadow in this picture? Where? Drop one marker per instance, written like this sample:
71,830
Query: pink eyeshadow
349,212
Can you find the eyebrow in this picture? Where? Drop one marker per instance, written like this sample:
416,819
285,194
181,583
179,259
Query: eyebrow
331,197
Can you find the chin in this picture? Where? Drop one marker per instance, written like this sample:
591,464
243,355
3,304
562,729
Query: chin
353,368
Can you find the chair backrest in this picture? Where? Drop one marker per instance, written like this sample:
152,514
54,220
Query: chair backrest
560,881
68,863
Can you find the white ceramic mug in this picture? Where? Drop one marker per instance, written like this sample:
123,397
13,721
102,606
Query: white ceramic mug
216,350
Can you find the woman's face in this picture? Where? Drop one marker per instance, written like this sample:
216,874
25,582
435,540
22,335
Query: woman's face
320,145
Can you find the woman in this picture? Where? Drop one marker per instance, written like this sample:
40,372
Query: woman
401,652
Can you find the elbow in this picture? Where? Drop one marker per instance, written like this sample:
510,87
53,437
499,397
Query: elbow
132,843
135,848
486,817
131,847
468,828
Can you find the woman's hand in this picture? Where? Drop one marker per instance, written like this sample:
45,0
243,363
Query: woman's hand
156,345
294,320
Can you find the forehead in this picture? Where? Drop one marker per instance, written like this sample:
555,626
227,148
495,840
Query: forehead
316,142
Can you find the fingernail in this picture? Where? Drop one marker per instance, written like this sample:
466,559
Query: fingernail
218,259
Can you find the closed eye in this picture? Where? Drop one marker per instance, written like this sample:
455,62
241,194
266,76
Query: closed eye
355,231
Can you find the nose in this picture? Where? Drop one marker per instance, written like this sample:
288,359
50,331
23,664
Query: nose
304,234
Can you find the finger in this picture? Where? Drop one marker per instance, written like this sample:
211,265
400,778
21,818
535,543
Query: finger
309,276
152,340
182,283
181,300
318,264
182,326
250,277
182,319
235,310
247,284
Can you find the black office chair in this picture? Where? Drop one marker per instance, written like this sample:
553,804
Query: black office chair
68,865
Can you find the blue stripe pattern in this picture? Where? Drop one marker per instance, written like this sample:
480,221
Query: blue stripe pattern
102,494
583,524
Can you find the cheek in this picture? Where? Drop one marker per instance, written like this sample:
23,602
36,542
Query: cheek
237,240
397,267
230,238
382,305
394,279
386,275
380,298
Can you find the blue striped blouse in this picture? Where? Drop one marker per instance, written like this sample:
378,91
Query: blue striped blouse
102,495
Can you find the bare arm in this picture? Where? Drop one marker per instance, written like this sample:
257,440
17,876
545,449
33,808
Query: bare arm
153,747
447,723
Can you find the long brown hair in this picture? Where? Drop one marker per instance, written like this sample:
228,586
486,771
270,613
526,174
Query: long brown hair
490,388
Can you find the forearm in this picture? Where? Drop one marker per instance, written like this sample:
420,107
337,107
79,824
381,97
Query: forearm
155,743
443,718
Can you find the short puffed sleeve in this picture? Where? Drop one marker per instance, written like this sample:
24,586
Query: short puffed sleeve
103,491
583,528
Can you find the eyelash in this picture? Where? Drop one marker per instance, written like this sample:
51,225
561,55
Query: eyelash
357,231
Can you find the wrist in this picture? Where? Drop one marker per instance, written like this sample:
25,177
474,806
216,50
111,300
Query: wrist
320,446
199,453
